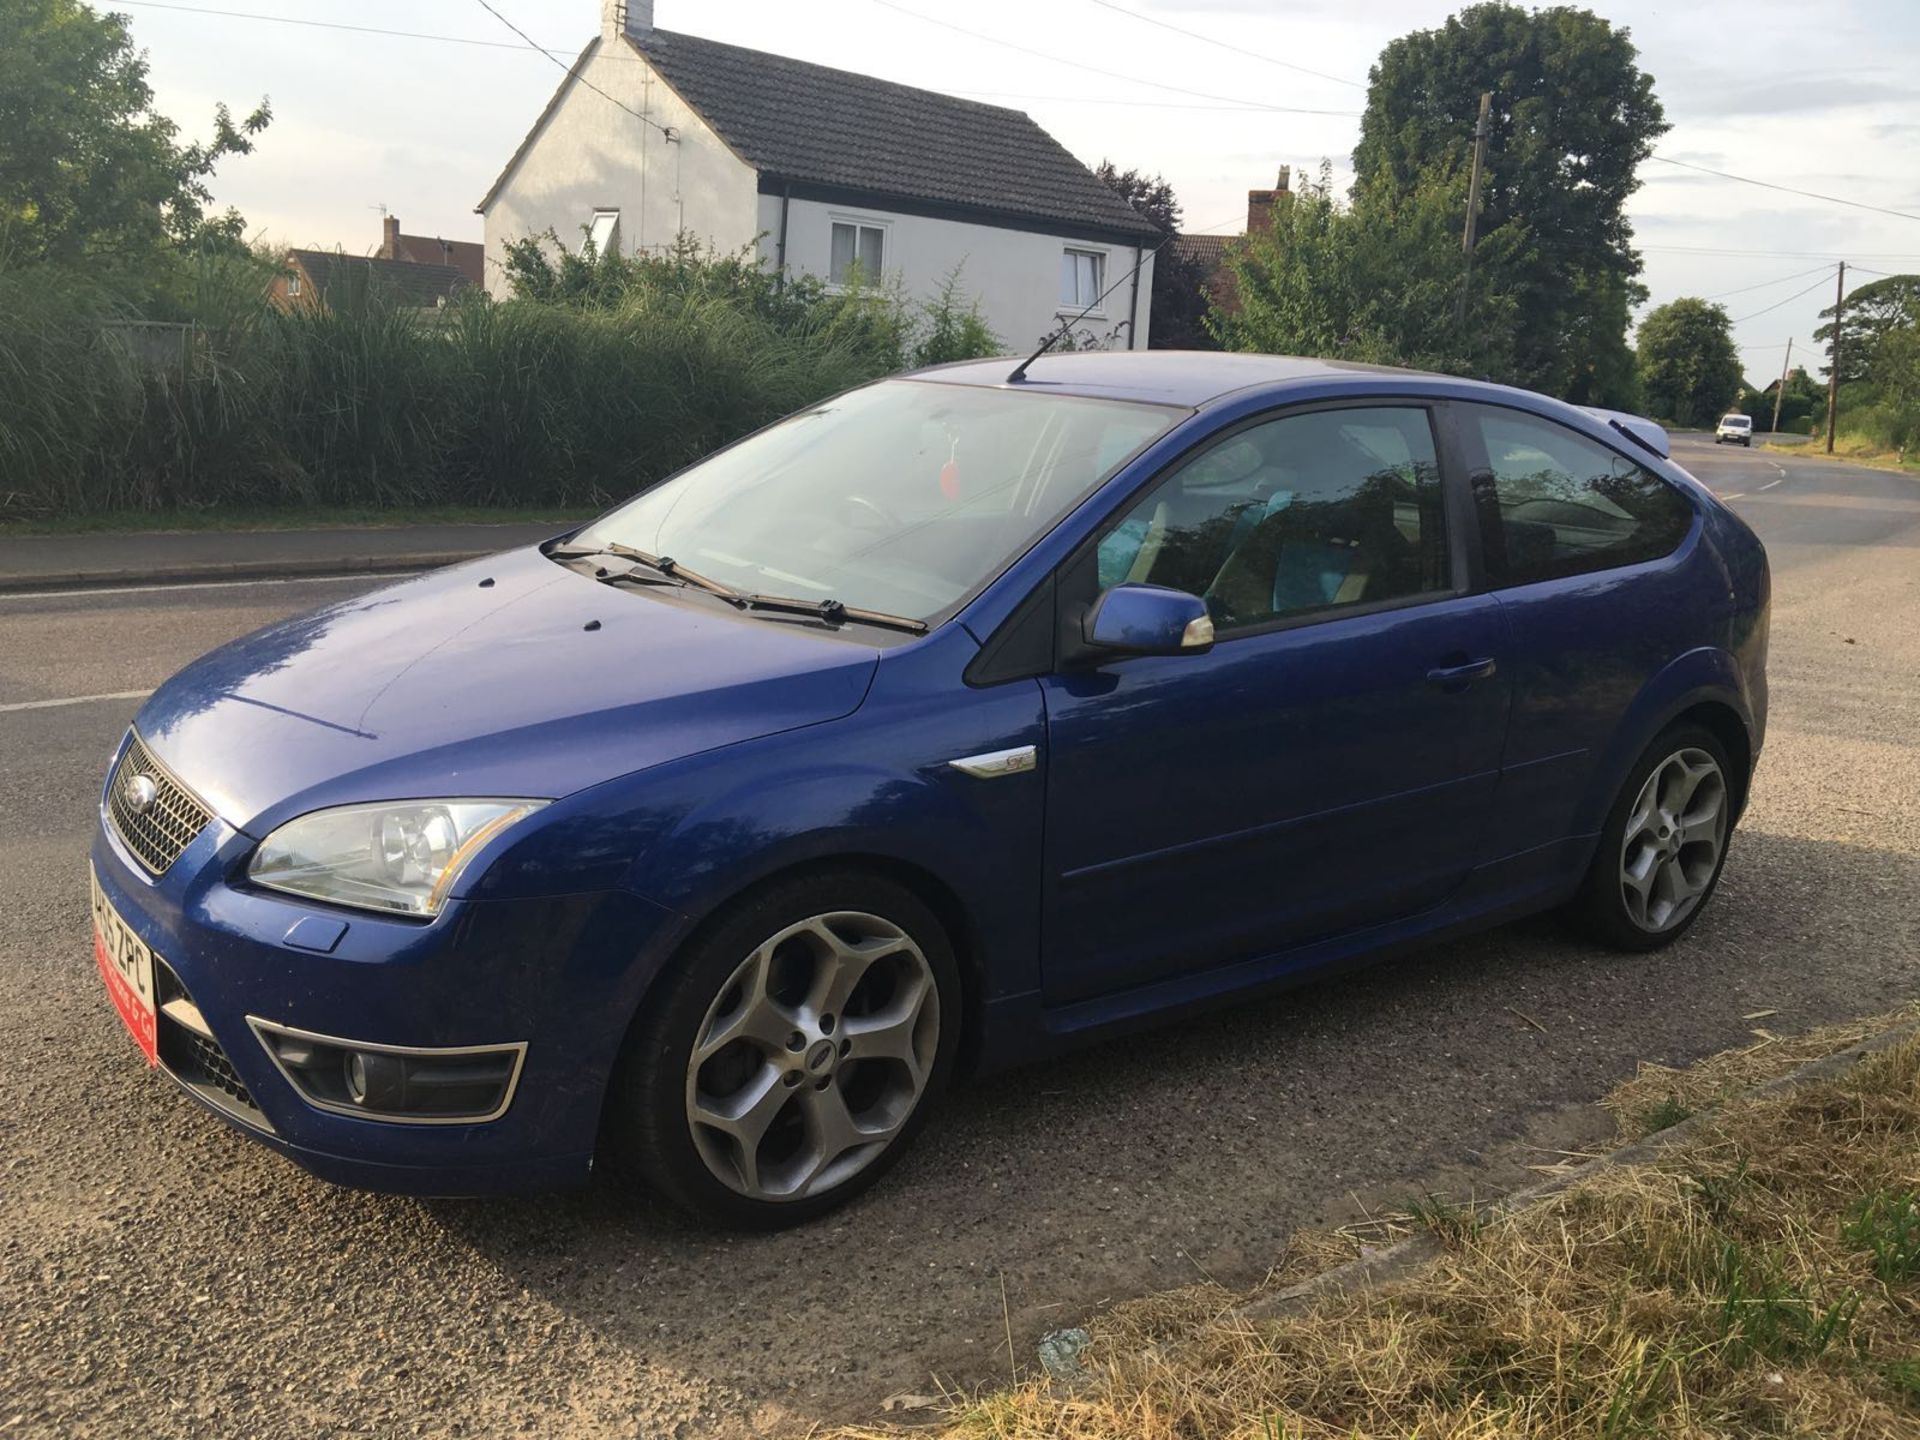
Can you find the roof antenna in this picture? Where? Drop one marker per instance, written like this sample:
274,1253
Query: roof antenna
1066,328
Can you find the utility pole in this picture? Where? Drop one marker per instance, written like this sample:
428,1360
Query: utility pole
1473,201
1781,394
1833,372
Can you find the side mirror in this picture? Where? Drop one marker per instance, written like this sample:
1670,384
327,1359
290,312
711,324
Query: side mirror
1148,620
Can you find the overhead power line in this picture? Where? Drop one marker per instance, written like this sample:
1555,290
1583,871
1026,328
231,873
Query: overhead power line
1786,189
1231,102
1829,255
573,71
1090,69
1224,45
1238,107
327,25
1797,275
1778,303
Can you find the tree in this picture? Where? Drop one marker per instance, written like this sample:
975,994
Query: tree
88,170
1872,312
1179,304
1688,365
1895,372
1573,117
1376,282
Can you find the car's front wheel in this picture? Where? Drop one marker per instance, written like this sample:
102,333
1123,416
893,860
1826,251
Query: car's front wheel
792,1054
1661,853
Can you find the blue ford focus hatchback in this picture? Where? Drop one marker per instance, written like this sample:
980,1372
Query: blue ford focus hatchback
951,720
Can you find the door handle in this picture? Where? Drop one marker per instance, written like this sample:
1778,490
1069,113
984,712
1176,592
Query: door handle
1457,677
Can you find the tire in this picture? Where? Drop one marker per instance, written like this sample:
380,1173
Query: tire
829,1009
1680,871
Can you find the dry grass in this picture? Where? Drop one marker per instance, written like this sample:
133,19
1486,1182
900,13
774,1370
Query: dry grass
1658,1096
1761,1278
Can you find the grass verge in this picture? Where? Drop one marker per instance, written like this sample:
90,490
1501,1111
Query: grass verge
1856,448
306,517
1760,1277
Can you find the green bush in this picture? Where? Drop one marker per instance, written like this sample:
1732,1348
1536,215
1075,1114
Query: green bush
565,400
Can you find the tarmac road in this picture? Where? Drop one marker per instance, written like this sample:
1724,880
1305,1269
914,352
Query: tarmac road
161,1276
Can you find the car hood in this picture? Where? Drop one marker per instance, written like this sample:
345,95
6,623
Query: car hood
510,676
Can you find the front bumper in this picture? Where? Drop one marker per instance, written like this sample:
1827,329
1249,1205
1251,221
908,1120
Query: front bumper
563,974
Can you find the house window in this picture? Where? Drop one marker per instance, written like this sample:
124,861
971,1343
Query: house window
861,245
293,287
1083,276
604,231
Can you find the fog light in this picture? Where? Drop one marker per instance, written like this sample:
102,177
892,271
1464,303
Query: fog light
465,1084
376,1081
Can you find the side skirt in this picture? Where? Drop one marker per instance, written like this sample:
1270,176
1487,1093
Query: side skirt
1020,1029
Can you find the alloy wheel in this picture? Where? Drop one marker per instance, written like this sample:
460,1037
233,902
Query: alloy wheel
1673,841
813,1056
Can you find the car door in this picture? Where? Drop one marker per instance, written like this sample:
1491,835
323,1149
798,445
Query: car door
1580,544
1328,763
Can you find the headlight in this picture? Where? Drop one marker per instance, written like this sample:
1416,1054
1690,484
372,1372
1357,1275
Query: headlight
397,856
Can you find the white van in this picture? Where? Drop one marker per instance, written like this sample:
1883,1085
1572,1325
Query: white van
1734,430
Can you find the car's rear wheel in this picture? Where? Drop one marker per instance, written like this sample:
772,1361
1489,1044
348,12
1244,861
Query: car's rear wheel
1665,844
793,1053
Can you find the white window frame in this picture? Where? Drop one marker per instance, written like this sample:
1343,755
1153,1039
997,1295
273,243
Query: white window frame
610,214
293,284
857,223
1099,257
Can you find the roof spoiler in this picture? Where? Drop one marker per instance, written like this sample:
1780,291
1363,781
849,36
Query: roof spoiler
1637,428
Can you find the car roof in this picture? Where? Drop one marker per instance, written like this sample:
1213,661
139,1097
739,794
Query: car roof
1165,377
1199,379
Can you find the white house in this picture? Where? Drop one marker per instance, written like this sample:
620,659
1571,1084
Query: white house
654,133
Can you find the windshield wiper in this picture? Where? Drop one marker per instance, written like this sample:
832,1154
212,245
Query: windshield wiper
834,612
664,564
620,552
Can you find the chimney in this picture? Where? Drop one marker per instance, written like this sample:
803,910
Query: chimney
625,17
390,237
1260,203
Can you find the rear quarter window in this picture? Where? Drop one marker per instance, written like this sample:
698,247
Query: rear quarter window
1553,503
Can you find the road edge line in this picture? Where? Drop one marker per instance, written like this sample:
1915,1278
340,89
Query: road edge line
83,580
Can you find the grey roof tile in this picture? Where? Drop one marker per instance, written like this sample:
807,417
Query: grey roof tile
811,124
413,284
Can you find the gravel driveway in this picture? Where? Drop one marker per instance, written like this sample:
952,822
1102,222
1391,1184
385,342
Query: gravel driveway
161,1276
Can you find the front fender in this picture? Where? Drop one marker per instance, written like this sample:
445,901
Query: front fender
1707,675
876,786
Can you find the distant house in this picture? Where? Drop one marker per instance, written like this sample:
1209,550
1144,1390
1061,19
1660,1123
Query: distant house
319,278
466,256
1207,254
827,173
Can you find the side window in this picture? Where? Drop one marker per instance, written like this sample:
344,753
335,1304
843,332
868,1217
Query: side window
1554,503
1310,512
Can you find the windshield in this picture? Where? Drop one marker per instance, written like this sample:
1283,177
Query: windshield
902,497
1737,422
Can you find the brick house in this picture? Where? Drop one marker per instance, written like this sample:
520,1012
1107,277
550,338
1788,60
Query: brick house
1207,254
466,256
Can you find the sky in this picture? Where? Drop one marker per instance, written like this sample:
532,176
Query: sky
1816,97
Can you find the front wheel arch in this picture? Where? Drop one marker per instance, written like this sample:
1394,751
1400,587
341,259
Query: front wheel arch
928,888
639,1143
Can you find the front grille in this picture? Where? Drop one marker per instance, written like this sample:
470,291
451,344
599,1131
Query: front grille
191,1054
158,834
203,1061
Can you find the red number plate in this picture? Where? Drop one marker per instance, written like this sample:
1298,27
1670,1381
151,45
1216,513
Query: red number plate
126,964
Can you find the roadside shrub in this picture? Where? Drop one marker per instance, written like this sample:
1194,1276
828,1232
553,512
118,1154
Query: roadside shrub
584,396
